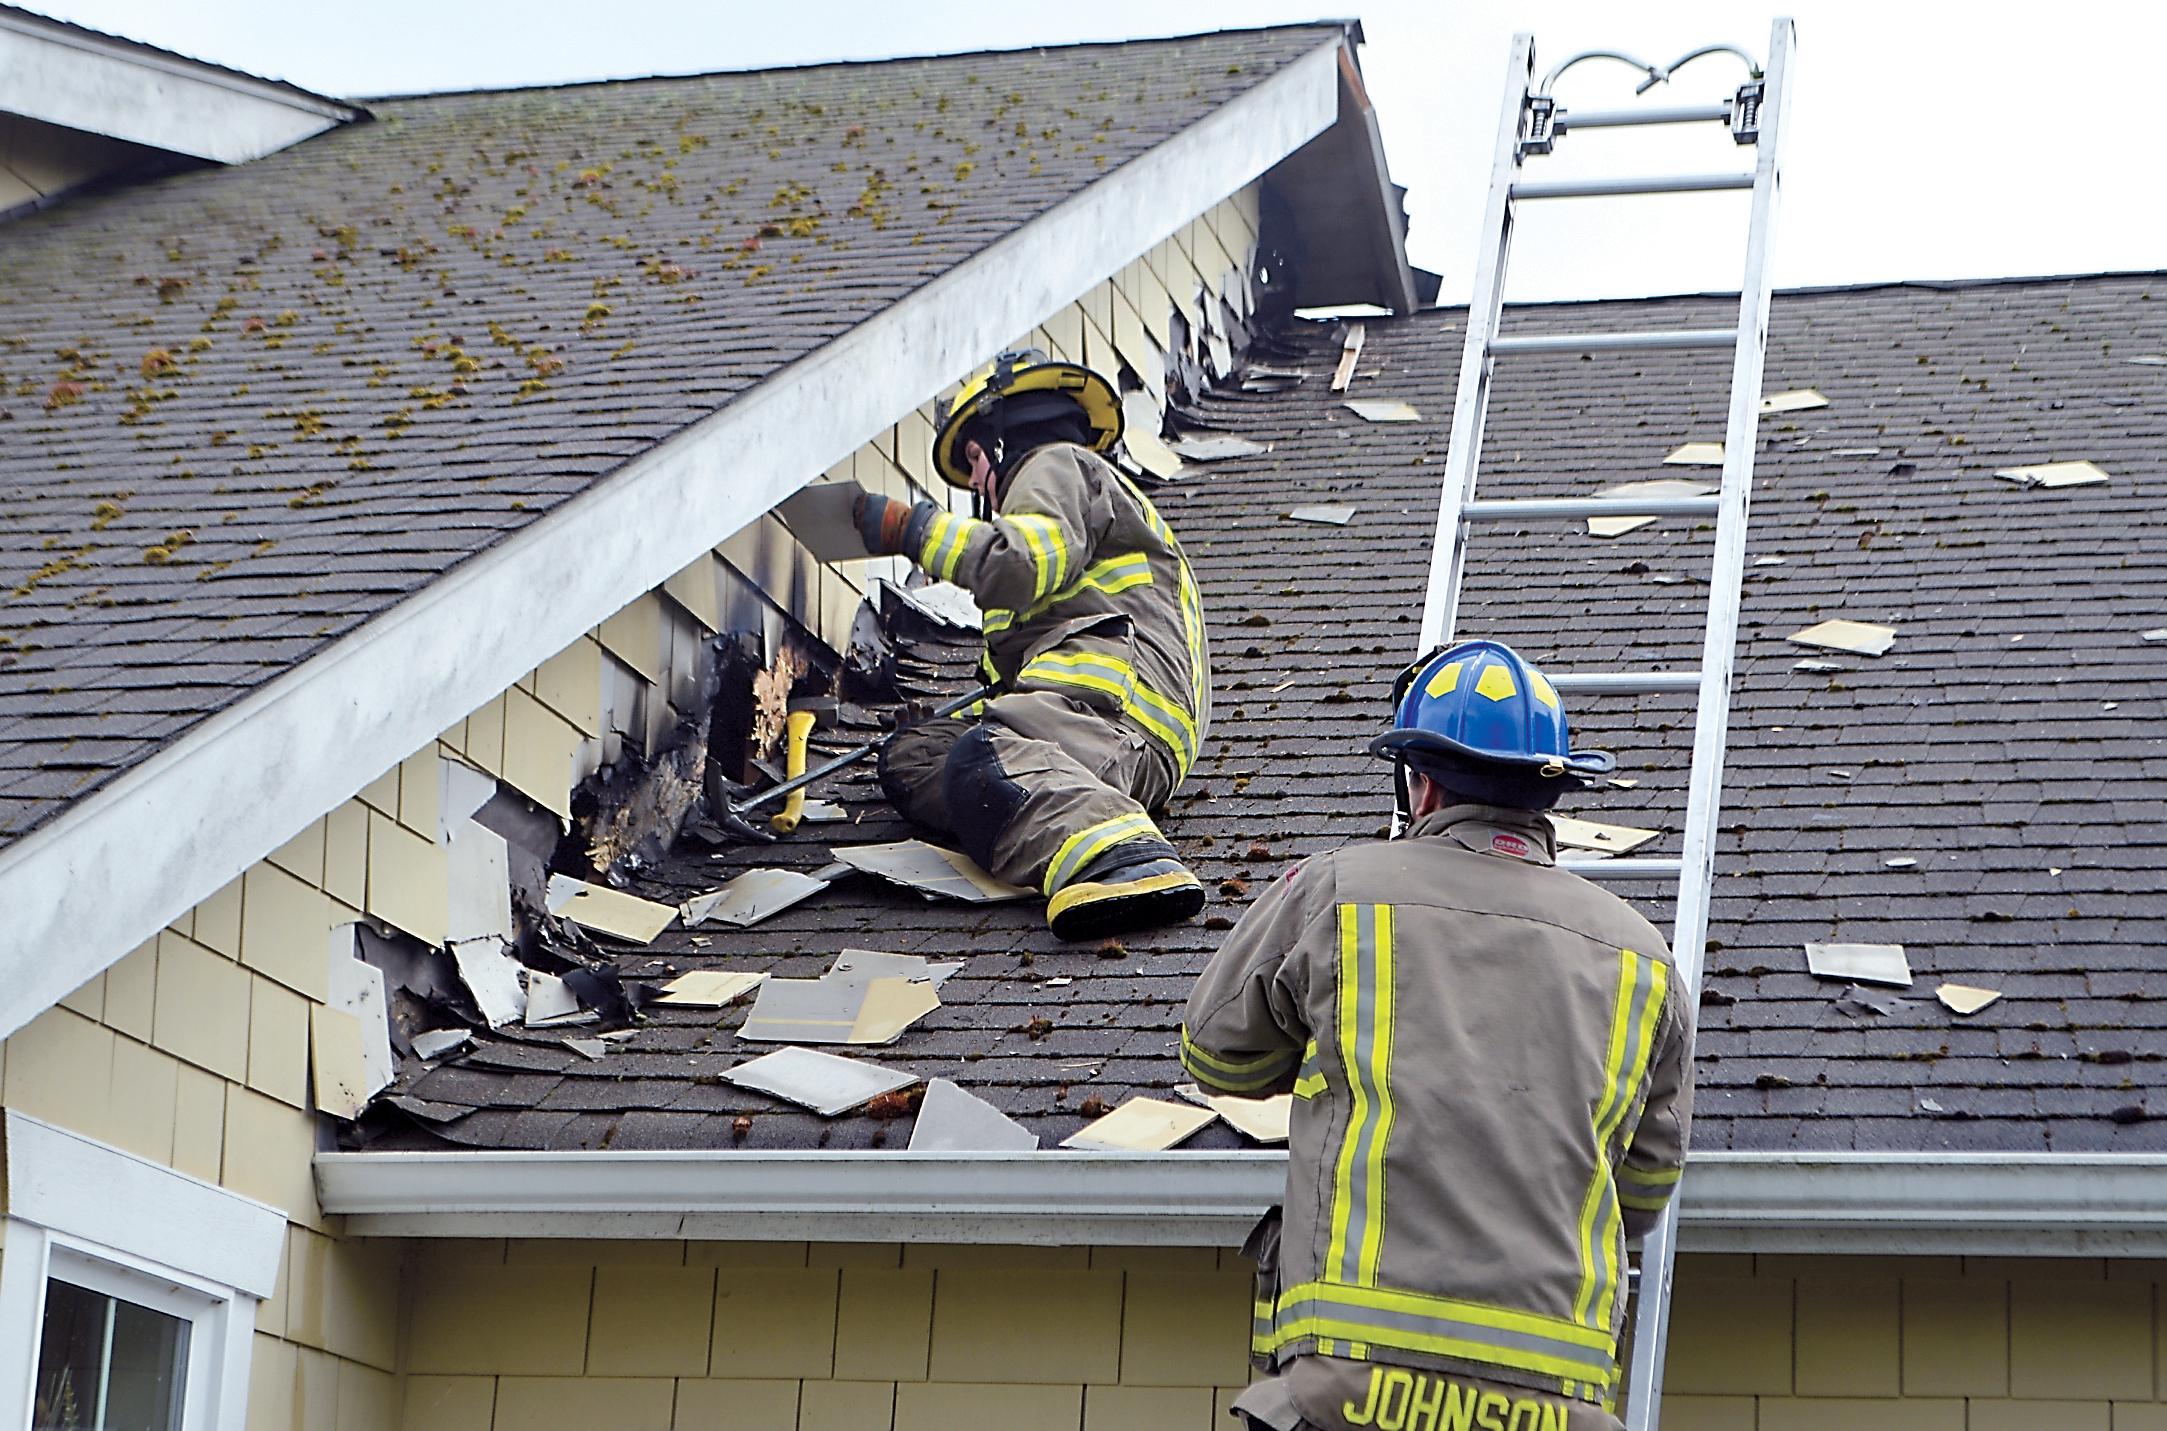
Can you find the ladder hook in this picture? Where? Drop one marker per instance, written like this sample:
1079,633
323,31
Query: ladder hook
1655,75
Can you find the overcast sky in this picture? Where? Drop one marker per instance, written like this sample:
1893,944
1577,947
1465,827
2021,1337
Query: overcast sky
1929,140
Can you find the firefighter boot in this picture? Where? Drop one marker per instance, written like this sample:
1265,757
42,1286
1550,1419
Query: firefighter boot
1135,885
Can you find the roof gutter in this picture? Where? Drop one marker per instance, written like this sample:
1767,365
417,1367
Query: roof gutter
2081,1204
182,824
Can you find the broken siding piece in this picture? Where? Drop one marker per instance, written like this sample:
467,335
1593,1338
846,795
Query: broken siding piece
1589,835
341,1069
1140,420
1658,487
1141,1125
709,988
357,989
878,964
1862,638
931,871
2055,474
607,911
750,898
1350,350
491,975
835,1009
1797,400
1864,963
953,1121
1964,999
820,1081
438,1042
1697,454
1261,1120
1217,448
1378,410
820,516
1323,516
549,1000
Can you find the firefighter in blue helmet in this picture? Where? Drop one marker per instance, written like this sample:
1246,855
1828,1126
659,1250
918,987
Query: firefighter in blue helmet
1489,1060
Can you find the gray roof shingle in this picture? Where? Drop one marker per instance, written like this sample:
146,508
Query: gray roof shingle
2031,807
244,410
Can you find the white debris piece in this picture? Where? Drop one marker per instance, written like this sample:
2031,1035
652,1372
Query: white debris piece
1864,963
1216,448
587,1047
438,1042
1900,862
945,602
478,876
549,1000
953,1121
1861,638
460,791
878,964
1964,999
1659,487
1325,516
608,911
820,1081
1377,410
1697,454
821,517
1797,400
931,871
2156,360
491,975
750,898
1768,561
358,989
1856,452
2157,633
2054,474
1141,1125
822,812
1819,667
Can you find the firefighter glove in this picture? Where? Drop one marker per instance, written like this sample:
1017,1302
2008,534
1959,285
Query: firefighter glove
881,522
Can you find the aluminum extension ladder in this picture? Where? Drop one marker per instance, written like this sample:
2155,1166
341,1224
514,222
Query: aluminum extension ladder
1531,125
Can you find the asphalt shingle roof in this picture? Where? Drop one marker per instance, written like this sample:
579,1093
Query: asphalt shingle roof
2026,777
244,410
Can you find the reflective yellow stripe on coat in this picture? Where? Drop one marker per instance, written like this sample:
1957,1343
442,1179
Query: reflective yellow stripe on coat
1642,983
1346,1320
1364,1029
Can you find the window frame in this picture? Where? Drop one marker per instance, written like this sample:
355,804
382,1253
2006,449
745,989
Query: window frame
115,1223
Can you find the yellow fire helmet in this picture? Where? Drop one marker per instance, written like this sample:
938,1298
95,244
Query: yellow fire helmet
1012,375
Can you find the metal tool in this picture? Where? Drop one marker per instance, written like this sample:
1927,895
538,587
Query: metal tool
1533,124
730,815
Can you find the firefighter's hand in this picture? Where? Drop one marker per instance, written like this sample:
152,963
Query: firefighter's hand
881,521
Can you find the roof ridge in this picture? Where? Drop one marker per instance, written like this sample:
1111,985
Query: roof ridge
1343,26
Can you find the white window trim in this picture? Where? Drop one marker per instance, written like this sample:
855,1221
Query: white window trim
112,1221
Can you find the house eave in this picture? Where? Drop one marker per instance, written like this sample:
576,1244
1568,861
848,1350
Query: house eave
63,74
1856,1203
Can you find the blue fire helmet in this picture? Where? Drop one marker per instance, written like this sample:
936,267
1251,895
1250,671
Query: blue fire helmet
1479,702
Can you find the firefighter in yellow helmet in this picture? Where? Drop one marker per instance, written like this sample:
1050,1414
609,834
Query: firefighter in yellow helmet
1094,643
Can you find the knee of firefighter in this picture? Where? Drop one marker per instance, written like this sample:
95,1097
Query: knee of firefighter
911,767
982,799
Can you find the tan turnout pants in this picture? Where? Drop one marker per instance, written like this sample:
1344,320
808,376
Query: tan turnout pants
1317,1393
1035,791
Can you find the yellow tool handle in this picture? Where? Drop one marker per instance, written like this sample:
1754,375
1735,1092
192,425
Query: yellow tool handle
798,730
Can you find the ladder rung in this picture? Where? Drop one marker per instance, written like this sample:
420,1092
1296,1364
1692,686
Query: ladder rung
1614,342
1623,869
1621,118
1539,508
1605,188
1625,683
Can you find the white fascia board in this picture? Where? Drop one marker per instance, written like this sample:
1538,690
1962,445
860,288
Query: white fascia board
79,1187
107,873
69,77
1952,1203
